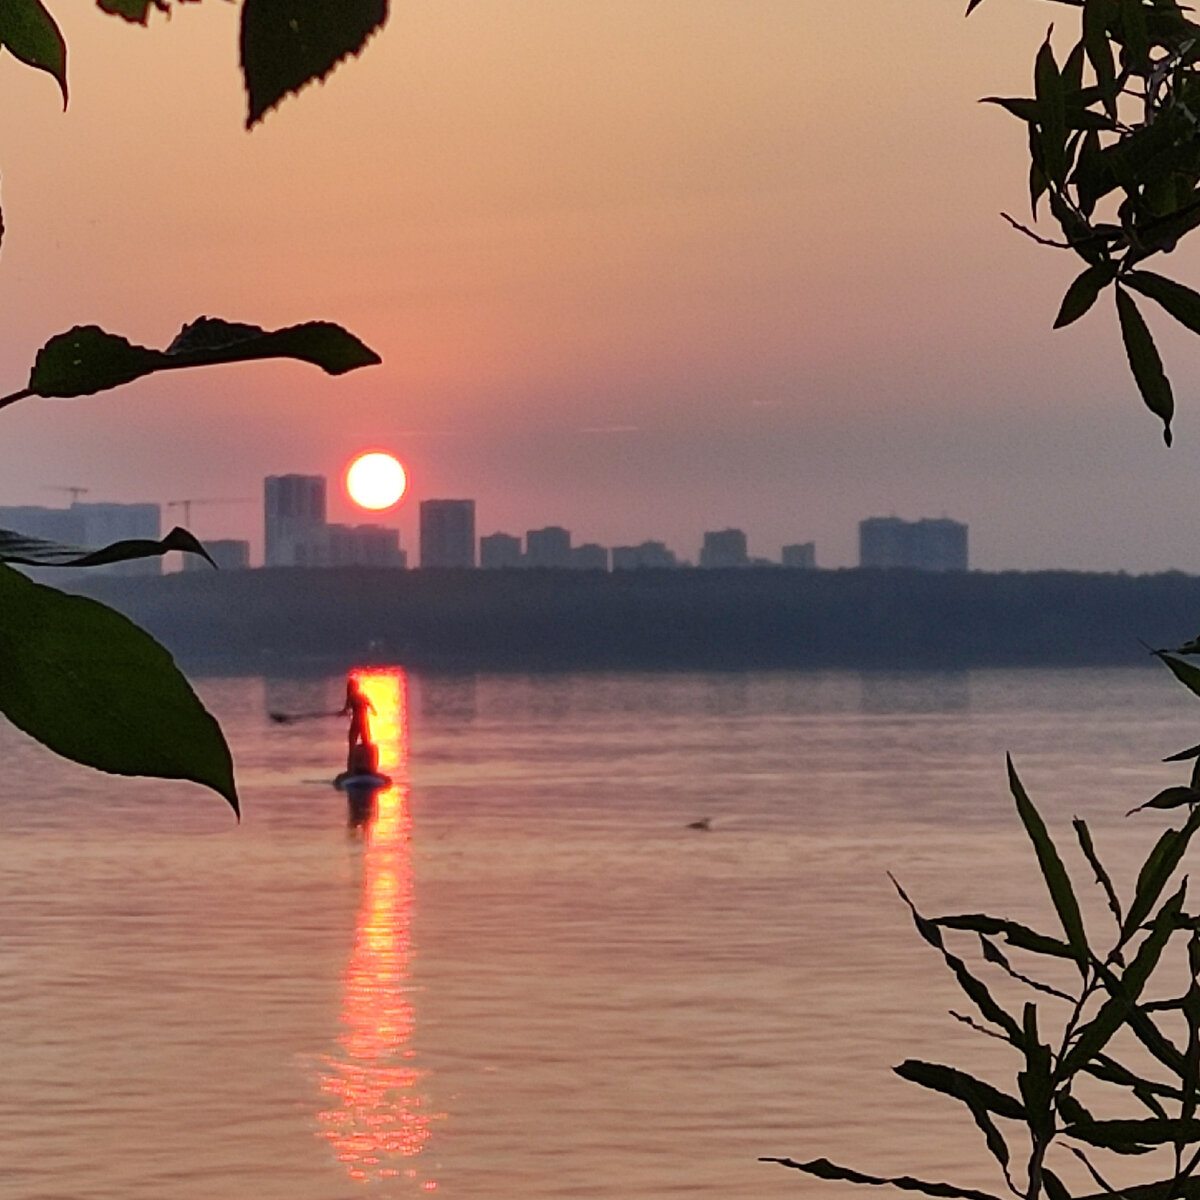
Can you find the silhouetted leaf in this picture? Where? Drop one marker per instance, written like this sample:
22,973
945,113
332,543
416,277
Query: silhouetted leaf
1051,112
1082,293
1180,301
1145,362
1058,883
975,989
1102,878
38,552
1120,1007
1099,51
993,954
1037,1088
286,43
1183,755
1074,116
133,10
87,359
1147,1131
1187,674
29,32
972,5
1172,797
952,1082
822,1168
93,687
1157,870
1013,932
1189,647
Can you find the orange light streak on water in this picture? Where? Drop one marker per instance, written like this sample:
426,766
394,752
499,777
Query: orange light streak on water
380,1122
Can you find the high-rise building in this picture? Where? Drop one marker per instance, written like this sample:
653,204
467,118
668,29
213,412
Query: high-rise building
500,550
294,512
589,557
724,548
447,533
549,547
363,546
802,555
926,545
645,556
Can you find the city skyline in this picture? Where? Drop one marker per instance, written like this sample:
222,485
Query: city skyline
609,254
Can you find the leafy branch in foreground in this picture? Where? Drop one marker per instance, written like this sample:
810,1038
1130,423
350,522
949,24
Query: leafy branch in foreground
76,675
1114,148
1107,1029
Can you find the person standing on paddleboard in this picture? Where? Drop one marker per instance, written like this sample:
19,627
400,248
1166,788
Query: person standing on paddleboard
356,707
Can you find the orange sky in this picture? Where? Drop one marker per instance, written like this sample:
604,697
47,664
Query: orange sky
639,267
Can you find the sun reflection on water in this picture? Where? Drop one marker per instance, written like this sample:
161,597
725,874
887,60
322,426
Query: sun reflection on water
378,1123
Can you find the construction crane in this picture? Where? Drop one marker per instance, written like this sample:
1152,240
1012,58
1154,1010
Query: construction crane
76,492
186,504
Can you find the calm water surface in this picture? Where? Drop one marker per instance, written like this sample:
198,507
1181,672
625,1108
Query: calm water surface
529,978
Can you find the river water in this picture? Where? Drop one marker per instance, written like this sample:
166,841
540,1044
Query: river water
528,977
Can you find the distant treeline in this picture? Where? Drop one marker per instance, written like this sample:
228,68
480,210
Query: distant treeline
751,617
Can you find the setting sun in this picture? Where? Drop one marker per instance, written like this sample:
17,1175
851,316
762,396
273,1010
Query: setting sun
376,480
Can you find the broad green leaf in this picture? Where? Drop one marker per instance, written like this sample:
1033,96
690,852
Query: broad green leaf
1082,293
1180,301
29,32
1013,932
1172,797
1188,675
37,552
1102,877
287,43
822,1168
1058,883
93,687
1145,362
1145,1131
87,359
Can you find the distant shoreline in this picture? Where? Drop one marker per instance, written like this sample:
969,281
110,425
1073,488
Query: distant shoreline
531,620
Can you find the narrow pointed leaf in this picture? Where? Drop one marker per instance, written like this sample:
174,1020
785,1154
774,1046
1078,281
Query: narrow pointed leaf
1184,755
1180,301
37,552
1147,1131
1102,877
1186,673
1013,932
86,682
29,32
1058,883
1172,797
132,10
1121,1006
952,1082
287,43
1051,112
993,954
1157,870
974,988
1145,363
1081,295
822,1168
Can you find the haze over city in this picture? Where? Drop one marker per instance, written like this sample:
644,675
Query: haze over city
639,269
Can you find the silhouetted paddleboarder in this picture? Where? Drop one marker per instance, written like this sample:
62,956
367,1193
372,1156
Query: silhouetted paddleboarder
356,707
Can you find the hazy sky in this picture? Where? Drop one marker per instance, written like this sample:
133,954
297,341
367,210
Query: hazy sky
637,267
